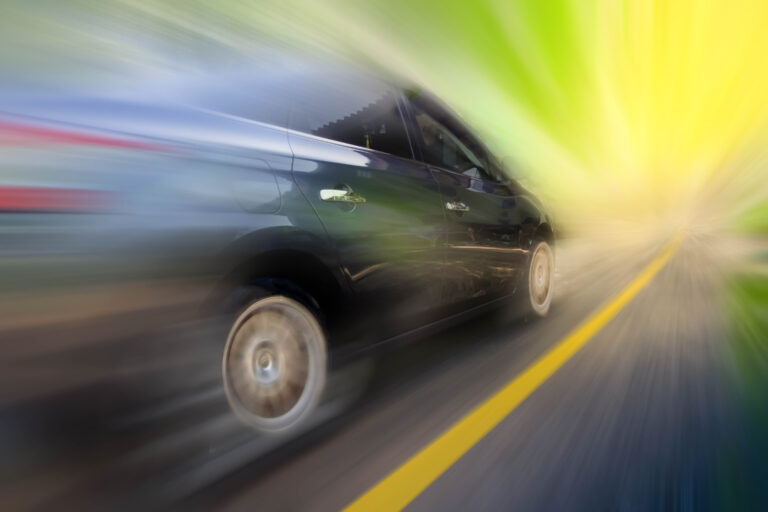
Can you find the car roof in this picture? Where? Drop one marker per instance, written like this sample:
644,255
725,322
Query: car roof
234,89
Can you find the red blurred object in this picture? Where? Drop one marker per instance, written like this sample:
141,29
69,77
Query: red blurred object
46,199
16,134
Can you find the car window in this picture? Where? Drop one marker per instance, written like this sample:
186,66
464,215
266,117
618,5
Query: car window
356,113
447,144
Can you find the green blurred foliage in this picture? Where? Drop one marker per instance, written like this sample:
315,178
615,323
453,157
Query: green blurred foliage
754,221
744,470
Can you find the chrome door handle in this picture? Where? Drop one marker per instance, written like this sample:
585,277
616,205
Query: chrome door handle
456,206
340,195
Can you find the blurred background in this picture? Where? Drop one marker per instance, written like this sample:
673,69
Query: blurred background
631,121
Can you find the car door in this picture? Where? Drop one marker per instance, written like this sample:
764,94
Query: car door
381,208
484,216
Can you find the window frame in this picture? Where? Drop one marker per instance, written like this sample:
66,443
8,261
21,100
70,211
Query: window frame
418,141
407,129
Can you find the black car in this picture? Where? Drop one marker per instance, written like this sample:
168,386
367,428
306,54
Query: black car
325,210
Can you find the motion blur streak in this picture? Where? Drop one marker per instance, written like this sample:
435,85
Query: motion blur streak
28,199
645,111
622,111
632,120
408,481
12,134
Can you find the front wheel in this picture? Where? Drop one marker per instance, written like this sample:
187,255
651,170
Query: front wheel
540,278
274,365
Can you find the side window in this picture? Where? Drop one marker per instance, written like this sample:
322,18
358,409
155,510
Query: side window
447,145
355,114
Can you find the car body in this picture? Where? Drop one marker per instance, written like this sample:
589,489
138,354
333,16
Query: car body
369,206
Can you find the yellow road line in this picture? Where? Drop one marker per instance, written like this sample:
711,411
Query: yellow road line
408,481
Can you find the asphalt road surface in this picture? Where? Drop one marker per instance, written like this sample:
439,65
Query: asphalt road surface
642,417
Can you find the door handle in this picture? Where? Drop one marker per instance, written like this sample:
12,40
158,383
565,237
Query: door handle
456,206
340,195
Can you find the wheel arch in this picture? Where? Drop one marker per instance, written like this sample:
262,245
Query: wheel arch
291,262
545,232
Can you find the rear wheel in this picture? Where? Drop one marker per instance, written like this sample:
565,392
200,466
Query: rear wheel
540,278
274,365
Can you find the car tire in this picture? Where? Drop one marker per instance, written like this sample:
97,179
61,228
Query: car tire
274,365
540,279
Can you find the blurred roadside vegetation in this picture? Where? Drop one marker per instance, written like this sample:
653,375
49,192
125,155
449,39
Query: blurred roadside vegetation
754,221
744,469
745,301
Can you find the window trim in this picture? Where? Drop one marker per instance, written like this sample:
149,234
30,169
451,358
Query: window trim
413,125
396,94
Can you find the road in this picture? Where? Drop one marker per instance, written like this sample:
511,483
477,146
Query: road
642,417
634,420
